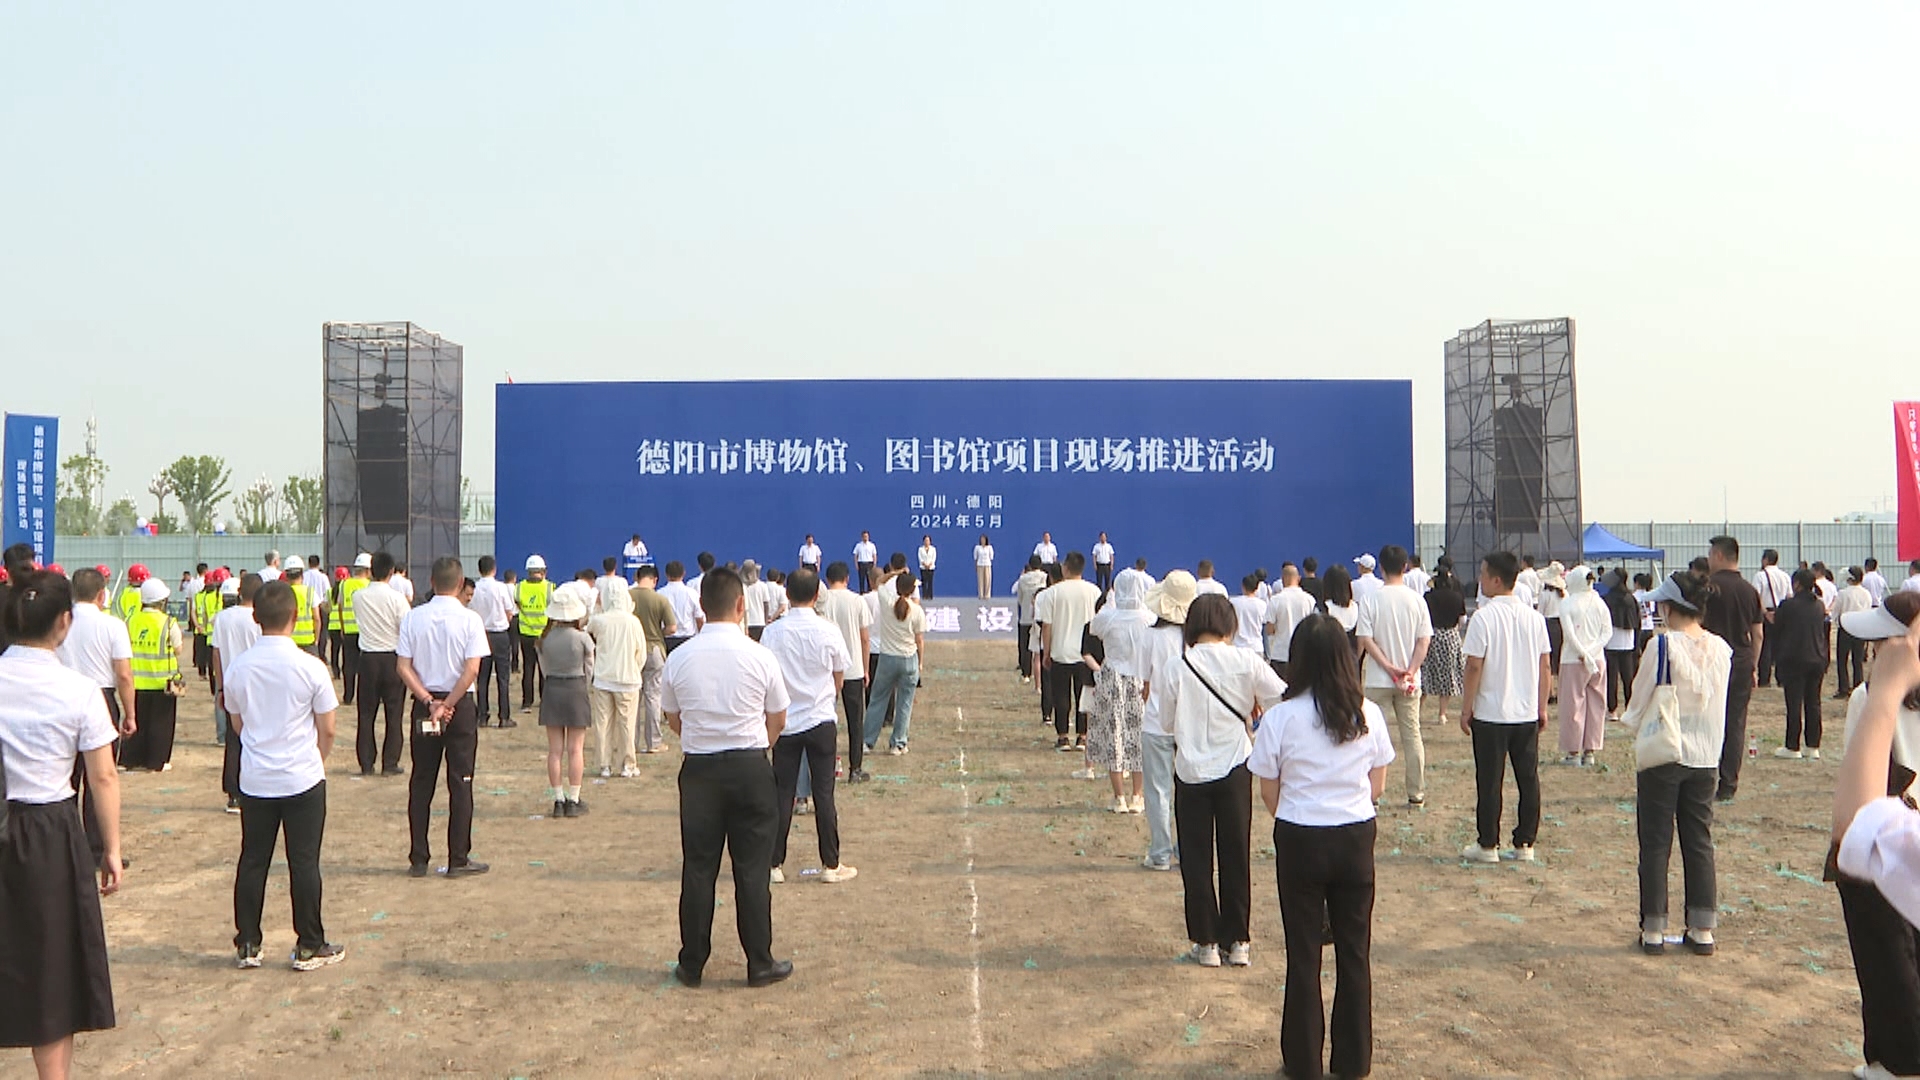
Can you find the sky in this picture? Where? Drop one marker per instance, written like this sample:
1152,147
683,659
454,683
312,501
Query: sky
1722,195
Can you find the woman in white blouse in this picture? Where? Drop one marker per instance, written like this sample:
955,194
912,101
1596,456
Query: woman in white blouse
1322,757
1211,694
929,560
53,945
983,565
1113,728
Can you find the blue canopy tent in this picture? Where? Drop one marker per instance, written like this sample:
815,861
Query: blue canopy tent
1598,543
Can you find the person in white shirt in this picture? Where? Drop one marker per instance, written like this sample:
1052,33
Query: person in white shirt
1849,652
1586,627
810,554
1250,615
1212,694
687,618
440,646
1364,583
1168,602
1912,584
97,646
634,556
847,611
1203,580
773,597
725,698
1285,612
1025,588
1775,587
235,631
280,704
1103,565
53,944
1873,582
619,672
271,571
1113,727
1527,585
1321,755
929,559
493,602
899,637
1062,612
1139,567
1394,631
401,583
1553,594
1504,707
865,555
320,590
609,584
1417,577
380,610
1045,549
813,660
983,566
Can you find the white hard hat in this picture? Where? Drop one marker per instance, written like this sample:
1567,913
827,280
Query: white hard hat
535,562
154,591
230,587
294,565
363,561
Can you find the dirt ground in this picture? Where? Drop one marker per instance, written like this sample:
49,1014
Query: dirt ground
1000,924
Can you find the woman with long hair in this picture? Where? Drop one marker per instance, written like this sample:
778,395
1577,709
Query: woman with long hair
1113,727
566,711
1441,675
1678,769
899,637
53,945
1800,652
1322,757
1214,692
1339,601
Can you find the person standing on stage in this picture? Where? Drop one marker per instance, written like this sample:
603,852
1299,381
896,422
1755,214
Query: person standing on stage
1103,565
635,556
531,600
234,632
848,613
281,705
53,944
493,602
810,555
813,660
380,610
725,698
983,566
865,555
929,559
97,646
657,621
440,647
1048,553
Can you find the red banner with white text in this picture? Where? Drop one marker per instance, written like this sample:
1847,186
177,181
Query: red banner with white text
1906,437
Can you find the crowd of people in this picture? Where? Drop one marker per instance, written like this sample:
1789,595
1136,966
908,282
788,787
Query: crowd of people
1177,690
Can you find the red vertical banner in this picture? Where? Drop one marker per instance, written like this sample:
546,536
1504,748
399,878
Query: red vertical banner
1906,437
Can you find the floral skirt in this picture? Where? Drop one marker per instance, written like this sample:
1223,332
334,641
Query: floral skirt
1440,675
1113,722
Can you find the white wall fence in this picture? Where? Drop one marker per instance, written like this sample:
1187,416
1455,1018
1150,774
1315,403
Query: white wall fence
1839,544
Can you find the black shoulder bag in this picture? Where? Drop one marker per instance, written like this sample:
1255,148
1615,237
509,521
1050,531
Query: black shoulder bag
1211,689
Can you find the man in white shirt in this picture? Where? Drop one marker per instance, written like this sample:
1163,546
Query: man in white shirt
280,704
1203,579
810,555
725,697
706,562
1045,549
1025,588
1504,707
380,611
1527,585
1285,612
401,583
865,555
848,613
1102,564
685,602
1417,577
493,602
320,588
1249,614
609,584
1849,652
1063,611
98,646
1364,583
813,660
1394,631
1774,586
1912,584
635,556
441,644
1139,567
271,571
235,631
1875,584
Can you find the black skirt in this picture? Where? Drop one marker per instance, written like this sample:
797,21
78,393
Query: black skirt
53,947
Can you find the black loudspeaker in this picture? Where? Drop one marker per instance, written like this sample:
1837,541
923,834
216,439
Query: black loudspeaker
1519,468
381,455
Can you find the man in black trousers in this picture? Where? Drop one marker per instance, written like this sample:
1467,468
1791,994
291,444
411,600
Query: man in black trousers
440,647
724,696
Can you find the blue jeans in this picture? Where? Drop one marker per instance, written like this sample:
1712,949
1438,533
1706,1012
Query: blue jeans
1156,760
894,679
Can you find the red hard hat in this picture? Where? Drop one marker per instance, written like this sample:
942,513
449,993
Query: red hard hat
104,570
137,573
216,576
56,568
339,573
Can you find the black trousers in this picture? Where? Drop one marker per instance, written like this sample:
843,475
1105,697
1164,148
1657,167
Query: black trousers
530,676
926,584
816,746
496,671
202,656
1886,961
853,703
1801,684
1850,658
1734,752
866,576
1494,745
1622,666
1023,650
1066,682
1672,798
336,650
89,817
1765,659
1103,575
151,744
1555,638
302,819
380,688
1215,820
349,653
1325,877
457,745
727,802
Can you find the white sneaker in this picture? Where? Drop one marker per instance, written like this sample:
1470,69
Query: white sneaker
1476,853
606,771
896,750
1205,955
1239,954
1138,805
1083,774
1570,759
628,772
834,875
1519,853
1149,864
778,877
1588,759
1783,752
1119,805
1814,754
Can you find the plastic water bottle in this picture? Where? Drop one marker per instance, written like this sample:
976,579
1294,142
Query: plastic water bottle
839,773
1753,747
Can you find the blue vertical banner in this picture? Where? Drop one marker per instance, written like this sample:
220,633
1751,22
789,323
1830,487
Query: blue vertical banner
32,456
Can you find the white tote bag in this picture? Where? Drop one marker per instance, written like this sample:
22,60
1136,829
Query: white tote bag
1655,718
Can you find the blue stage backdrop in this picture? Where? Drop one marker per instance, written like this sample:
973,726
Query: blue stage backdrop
32,463
1246,473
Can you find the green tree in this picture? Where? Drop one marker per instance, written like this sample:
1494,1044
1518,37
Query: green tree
120,518
200,483
306,502
257,507
78,507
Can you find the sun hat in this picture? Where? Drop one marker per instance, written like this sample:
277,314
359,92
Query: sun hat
1669,593
566,606
1873,624
1556,575
1171,598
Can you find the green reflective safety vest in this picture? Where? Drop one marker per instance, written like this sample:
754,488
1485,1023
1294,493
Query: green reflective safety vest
303,616
129,603
349,623
155,664
333,607
534,597
207,609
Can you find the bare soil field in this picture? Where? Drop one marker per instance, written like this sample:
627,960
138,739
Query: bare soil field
1001,923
